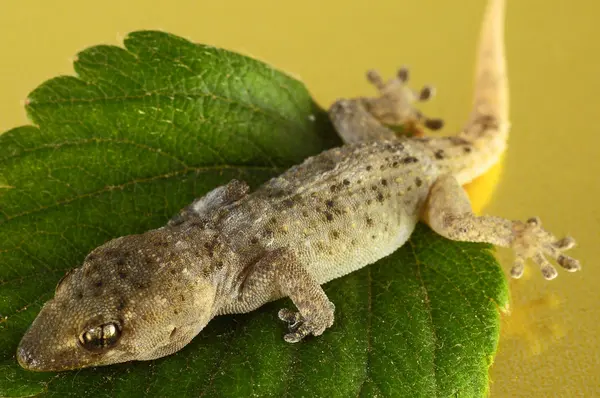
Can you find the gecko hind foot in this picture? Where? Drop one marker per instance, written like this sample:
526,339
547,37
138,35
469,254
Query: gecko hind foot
300,327
394,106
532,241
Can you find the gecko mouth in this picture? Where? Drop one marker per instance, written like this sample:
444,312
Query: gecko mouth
34,358
31,355
26,359
48,345
32,350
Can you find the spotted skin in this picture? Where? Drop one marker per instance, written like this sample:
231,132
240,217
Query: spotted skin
141,297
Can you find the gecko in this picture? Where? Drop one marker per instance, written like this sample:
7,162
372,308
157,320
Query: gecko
145,296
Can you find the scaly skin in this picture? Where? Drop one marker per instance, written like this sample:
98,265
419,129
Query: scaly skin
142,297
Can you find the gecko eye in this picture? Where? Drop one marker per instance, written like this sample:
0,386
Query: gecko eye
100,337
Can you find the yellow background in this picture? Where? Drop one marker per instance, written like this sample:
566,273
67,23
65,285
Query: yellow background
550,344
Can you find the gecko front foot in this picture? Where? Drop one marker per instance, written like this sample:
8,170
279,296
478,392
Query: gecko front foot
530,240
394,106
301,326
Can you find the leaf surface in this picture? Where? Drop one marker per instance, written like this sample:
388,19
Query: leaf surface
140,133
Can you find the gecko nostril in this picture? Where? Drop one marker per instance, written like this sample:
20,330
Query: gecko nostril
25,357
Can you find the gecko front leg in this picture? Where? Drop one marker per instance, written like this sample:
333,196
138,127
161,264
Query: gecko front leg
448,212
279,274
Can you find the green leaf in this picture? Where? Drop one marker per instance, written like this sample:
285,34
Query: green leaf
144,130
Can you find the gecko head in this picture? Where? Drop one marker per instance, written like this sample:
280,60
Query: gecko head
133,299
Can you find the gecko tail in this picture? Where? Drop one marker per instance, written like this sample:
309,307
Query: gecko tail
491,81
480,144
488,125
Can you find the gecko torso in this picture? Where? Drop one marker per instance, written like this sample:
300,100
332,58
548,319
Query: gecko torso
339,211
145,296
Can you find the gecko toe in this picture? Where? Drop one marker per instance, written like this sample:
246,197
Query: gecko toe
548,271
403,74
427,92
299,334
555,249
518,268
568,263
565,243
375,79
433,124
292,318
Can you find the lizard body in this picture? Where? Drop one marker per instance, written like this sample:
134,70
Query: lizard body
141,297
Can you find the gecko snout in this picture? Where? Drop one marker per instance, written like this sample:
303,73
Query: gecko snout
25,358
28,356
32,358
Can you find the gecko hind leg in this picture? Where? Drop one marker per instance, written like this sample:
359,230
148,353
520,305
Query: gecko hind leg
394,106
448,212
366,118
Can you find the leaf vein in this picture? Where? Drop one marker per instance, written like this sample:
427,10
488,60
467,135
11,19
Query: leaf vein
122,186
162,93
